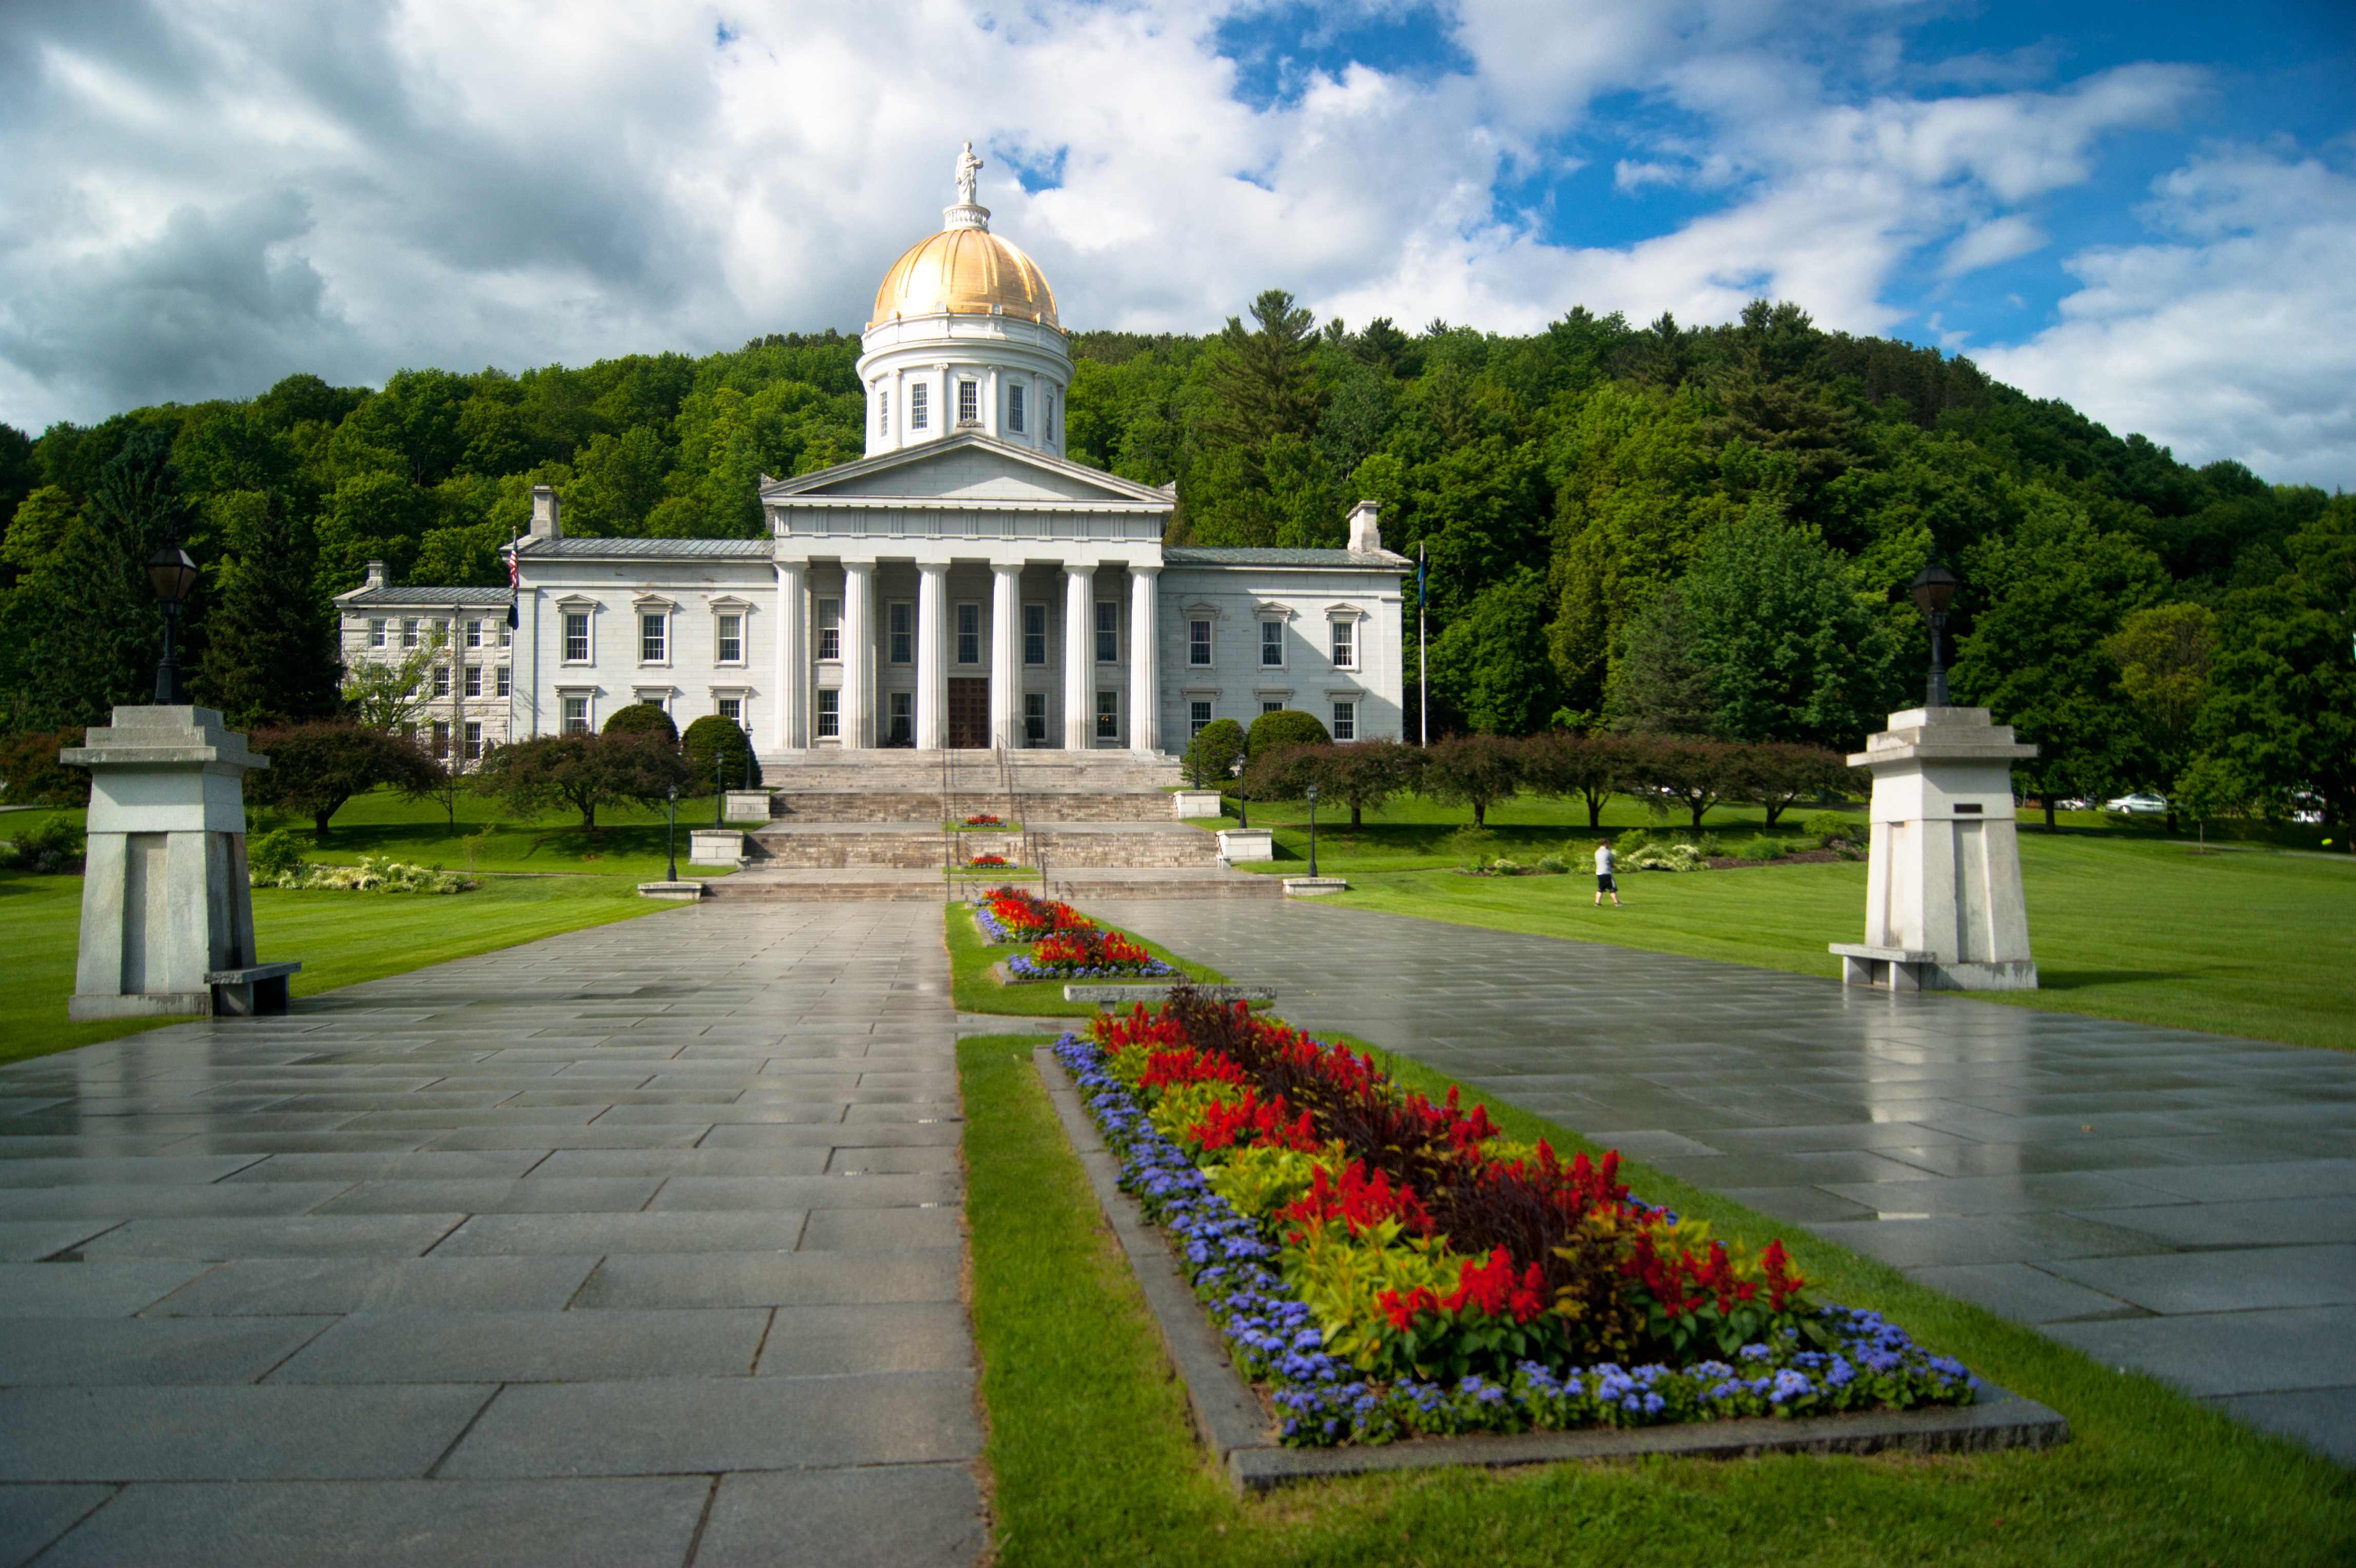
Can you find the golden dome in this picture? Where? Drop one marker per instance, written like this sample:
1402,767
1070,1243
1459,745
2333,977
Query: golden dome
965,271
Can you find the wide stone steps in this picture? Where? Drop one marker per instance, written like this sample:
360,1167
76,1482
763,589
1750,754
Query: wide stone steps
925,805
1073,845
823,885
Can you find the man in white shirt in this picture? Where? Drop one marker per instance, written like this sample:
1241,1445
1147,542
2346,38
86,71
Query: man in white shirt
1604,881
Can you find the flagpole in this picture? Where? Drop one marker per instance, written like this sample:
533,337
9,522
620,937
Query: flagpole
1422,664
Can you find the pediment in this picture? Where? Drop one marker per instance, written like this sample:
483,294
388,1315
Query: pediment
964,467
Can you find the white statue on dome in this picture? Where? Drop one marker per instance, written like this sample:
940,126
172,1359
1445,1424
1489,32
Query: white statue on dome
969,169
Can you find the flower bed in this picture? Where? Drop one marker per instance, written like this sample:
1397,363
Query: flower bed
1016,915
984,821
1390,1267
1087,955
987,861
374,874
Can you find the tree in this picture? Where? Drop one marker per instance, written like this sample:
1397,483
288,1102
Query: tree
2210,787
315,767
1593,768
1776,775
1696,774
1286,726
1214,752
1492,660
389,694
2163,656
1791,653
1365,774
717,745
1478,770
1663,686
32,775
643,718
270,655
2049,594
583,772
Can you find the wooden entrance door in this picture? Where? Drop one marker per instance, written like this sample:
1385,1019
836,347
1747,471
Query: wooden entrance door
969,715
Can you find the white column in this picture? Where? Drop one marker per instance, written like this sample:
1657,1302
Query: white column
899,406
792,673
1144,695
1006,654
1079,654
932,648
857,654
989,397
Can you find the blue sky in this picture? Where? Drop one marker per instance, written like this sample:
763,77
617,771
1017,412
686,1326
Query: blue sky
2148,210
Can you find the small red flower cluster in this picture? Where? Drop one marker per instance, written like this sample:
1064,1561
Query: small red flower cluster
1173,1070
1247,1123
985,821
1360,1202
987,859
1024,915
1490,1287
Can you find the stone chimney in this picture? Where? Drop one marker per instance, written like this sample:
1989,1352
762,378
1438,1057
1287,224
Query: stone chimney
546,514
1365,530
375,575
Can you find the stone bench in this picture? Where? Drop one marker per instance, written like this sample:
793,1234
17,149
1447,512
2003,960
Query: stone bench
255,989
1897,968
1111,996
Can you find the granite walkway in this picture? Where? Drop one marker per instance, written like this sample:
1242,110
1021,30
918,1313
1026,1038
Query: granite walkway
2176,1201
636,1245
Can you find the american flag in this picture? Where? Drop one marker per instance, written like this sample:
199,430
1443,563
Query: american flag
515,585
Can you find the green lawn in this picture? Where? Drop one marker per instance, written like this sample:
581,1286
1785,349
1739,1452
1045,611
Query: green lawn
1092,1451
341,939
979,990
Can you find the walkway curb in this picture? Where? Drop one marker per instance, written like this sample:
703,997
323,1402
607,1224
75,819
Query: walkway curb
1234,1426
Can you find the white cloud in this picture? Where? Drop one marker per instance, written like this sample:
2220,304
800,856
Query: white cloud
2235,339
1998,240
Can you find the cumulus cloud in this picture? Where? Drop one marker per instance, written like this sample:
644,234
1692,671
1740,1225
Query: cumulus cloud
205,195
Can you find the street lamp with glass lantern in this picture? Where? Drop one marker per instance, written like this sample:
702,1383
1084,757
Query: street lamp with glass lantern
1933,589
1312,830
173,574
671,837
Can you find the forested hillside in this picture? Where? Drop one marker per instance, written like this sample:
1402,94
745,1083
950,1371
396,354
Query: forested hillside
1684,530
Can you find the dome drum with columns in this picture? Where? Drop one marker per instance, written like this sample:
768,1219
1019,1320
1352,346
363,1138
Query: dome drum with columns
963,585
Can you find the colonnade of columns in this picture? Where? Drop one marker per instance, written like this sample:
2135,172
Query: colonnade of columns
797,655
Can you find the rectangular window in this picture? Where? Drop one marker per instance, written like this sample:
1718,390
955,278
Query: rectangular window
829,628
441,679
1198,642
504,633
900,625
1271,644
1268,707
732,708
1345,640
1107,716
1014,409
576,715
408,634
903,718
375,634
1199,718
969,402
1034,634
919,415
1035,718
1049,399
968,634
441,739
576,638
1108,632
829,714
653,642
474,683
503,679
474,634
732,640
473,743
883,411
1345,721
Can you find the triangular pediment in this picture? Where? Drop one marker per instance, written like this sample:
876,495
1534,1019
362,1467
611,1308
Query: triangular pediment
965,467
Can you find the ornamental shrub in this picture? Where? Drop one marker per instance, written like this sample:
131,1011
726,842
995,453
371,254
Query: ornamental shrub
1213,753
32,775
642,718
273,856
55,846
717,739
1287,726
1826,826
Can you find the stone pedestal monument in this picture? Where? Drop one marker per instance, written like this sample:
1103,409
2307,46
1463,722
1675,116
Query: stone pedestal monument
1943,909
167,906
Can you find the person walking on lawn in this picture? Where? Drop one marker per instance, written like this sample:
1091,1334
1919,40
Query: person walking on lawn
1604,881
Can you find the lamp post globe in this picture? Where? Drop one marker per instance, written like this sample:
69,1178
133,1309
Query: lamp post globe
1933,590
173,575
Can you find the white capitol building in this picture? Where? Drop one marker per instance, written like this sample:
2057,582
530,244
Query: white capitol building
964,585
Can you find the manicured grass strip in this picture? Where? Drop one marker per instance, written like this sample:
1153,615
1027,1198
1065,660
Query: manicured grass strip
2251,944
342,939
1095,1461
977,990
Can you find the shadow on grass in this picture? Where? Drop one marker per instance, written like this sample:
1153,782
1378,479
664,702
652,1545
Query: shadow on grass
2079,979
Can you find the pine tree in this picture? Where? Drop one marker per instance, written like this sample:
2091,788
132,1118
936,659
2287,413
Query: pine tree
270,655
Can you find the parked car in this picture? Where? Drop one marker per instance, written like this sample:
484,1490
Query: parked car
2138,805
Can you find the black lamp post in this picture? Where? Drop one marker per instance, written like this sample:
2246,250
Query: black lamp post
719,787
1243,799
1933,589
671,837
173,575
1312,830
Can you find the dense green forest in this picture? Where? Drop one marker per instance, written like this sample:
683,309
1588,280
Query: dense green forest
1681,531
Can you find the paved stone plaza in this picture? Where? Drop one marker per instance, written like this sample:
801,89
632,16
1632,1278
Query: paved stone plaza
2180,1202
631,1246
